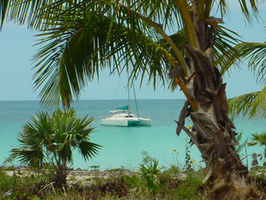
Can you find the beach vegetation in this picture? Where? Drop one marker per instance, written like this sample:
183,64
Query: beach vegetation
259,139
122,184
188,161
149,170
178,42
50,139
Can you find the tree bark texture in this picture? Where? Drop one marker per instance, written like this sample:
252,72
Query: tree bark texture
212,130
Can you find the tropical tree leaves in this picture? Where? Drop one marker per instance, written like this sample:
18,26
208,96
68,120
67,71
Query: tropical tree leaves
3,9
252,104
256,53
52,138
80,48
81,37
258,138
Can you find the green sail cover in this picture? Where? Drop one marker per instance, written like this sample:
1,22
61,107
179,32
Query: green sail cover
122,108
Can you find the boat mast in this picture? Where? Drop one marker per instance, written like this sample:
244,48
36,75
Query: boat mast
128,94
136,101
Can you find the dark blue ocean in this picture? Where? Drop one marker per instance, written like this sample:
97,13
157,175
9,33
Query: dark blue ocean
122,146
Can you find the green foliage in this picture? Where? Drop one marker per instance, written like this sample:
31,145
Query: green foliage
149,169
174,170
258,175
259,139
251,104
22,187
188,163
28,184
79,38
52,138
240,144
95,167
255,53
6,182
188,189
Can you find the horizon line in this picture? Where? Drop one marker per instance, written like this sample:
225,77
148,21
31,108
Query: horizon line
102,99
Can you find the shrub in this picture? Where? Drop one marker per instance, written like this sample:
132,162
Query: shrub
188,189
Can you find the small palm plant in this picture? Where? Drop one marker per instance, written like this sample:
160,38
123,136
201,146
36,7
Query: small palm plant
259,139
52,139
150,169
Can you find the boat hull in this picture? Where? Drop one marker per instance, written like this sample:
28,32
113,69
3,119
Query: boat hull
126,123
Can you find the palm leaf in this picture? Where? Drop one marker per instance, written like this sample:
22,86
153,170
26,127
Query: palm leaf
82,37
186,16
52,138
251,104
88,149
248,7
74,52
258,138
3,9
255,52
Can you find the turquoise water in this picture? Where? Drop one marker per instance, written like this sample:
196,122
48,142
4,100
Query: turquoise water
122,146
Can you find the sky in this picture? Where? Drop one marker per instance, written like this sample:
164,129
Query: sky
16,66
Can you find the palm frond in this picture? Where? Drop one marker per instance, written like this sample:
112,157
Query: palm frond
51,138
258,138
82,37
3,9
188,23
255,52
88,149
240,145
246,11
37,13
28,155
224,47
248,7
80,46
251,104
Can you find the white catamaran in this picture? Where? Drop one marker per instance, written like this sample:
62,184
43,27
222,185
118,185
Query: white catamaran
122,116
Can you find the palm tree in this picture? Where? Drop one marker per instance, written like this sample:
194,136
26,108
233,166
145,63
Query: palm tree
52,138
81,37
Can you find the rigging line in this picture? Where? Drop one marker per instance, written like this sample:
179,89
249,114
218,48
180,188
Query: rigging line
136,100
128,92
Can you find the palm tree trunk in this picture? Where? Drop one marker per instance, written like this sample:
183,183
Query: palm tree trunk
60,176
212,129
213,134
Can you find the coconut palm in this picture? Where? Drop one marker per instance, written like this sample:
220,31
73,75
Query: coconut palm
52,139
81,37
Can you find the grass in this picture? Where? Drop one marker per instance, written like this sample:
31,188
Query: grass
167,184
149,182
